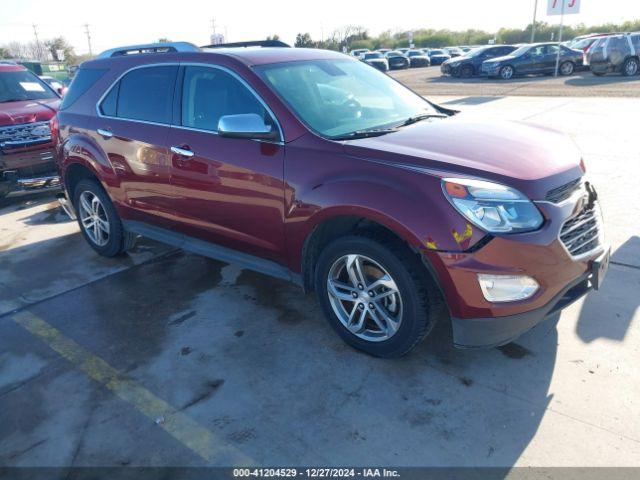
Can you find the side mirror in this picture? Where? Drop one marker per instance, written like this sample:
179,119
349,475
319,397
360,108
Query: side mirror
246,125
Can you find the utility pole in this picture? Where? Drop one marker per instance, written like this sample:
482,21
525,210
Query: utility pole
560,38
38,49
86,30
533,25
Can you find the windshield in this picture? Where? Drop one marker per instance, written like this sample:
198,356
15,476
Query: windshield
436,52
519,51
338,97
21,85
368,56
415,54
476,51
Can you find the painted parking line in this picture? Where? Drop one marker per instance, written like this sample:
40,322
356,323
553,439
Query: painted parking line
184,429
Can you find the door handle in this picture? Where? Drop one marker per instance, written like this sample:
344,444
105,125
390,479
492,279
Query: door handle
183,152
105,133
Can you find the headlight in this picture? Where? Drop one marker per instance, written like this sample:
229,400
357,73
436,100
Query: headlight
493,207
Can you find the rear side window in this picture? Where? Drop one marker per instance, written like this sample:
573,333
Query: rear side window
635,39
143,94
210,93
85,78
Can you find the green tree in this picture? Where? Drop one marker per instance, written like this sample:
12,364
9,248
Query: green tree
57,45
4,53
303,40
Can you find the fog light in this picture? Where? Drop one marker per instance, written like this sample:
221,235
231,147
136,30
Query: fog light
507,288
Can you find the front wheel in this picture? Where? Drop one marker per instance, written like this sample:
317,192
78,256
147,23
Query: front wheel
506,72
466,71
376,295
98,220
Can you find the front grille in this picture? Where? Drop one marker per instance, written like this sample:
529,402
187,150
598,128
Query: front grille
582,233
561,193
17,136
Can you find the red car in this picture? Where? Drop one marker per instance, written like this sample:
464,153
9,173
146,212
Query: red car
310,166
27,104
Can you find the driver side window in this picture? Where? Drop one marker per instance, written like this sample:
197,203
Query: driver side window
210,93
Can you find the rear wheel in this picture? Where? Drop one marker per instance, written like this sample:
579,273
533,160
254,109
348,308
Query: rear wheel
376,294
630,67
98,220
506,72
566,68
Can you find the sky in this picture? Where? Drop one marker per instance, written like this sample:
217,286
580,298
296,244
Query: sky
123,22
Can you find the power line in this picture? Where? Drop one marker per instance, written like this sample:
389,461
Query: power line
533,25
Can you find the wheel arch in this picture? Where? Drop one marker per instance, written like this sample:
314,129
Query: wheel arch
333,225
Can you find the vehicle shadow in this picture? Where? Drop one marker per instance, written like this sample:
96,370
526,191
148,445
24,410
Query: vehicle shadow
588,80
608,313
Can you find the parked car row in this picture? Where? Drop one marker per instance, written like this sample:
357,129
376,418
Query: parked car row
601,53
407,57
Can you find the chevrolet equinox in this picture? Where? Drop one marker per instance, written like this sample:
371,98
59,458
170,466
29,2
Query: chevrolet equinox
312,166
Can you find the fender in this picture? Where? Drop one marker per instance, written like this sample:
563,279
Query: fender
435,227
81,149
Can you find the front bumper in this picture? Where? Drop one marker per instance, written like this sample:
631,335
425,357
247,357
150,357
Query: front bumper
562,256
28,169
490,70
495,331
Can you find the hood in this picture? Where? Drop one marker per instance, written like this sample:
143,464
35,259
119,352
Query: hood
28,111
376,60
514,153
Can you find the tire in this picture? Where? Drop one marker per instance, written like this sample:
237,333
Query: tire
566,69
413,308
466,71
630,67
5,190
107,237
506,72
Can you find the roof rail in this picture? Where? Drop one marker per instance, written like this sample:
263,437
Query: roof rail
164,47
255,43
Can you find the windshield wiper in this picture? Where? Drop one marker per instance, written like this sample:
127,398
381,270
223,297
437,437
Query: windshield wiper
423,116
372,132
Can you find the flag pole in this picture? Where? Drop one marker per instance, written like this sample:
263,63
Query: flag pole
560,38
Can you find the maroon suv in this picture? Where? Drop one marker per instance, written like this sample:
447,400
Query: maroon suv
27,104
314,167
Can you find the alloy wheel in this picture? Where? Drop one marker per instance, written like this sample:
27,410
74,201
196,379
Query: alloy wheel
566,68
506,72
631,68
364,297
94,218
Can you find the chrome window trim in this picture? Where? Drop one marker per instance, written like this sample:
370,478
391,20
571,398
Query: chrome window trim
182,127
